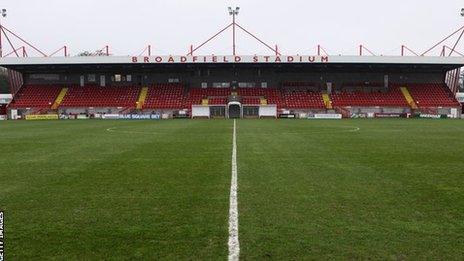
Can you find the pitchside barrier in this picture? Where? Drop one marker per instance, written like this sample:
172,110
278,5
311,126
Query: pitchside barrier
204,111
199,111
268,111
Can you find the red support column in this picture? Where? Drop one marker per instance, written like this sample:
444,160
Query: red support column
402,50
149,50
1,46
9,41
256,38
65,51
318,50
453,80
360,50
457,42
443,40
22,40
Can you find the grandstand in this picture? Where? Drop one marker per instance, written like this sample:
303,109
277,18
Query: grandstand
334,85
274,85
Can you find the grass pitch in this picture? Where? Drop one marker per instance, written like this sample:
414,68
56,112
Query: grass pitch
351,189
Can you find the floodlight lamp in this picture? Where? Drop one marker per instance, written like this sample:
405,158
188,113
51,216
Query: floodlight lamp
233,11
462,11
3,12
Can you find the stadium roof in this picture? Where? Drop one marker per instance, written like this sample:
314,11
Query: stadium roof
224,59
285,62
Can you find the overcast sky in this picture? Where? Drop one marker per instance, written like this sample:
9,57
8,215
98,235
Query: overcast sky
297,26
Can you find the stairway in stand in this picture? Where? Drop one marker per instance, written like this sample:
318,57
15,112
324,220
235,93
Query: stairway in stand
59,98
408,98
327,101
142,98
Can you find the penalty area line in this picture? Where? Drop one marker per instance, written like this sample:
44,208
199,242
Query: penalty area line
234,246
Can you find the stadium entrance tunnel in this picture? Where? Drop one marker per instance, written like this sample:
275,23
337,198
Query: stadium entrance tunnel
234,110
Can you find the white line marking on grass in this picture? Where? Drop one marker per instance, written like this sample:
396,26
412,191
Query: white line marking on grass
114,129
342,129
234,245
355,129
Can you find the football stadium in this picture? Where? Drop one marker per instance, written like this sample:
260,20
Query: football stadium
232,156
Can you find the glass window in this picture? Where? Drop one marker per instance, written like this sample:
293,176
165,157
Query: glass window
246,84
91,78
221,84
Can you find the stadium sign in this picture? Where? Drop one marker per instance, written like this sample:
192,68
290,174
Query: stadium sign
42,117
387,115
153,116
326,116
137,117
430,116
231,59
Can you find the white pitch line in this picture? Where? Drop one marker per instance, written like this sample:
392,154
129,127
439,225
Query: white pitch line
355,129
234,245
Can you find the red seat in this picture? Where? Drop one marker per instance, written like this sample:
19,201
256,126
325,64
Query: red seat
165,96
96,96
392,98
303,99
432,95
35,96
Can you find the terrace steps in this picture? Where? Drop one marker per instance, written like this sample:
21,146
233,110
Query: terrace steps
408,97
59,98
327,101
142,97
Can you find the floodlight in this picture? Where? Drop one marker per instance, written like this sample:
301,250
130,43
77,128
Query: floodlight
462,11
233,11
3,12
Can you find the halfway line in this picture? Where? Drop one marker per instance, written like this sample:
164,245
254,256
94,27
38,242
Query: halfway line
234,246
